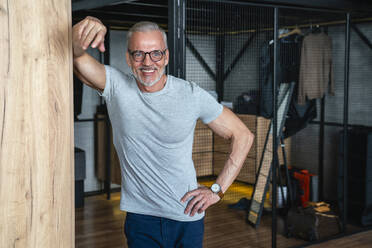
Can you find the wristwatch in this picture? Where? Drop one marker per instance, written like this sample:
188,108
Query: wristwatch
216,188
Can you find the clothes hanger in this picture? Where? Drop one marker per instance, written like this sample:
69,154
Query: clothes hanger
316,30
296,30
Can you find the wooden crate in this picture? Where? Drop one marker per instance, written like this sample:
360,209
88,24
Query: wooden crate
203,163
259,127
203,140
202,151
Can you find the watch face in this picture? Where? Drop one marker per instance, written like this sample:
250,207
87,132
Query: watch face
216,188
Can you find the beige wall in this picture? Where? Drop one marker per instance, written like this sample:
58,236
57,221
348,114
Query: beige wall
36,124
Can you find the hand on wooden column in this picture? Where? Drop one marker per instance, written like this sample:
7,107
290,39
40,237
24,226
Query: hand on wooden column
88,32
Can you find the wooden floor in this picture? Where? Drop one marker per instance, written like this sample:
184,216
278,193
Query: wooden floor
359,240
100,225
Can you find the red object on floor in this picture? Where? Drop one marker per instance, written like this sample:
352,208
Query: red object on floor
304,179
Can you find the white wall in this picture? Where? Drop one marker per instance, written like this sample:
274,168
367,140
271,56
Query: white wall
118,47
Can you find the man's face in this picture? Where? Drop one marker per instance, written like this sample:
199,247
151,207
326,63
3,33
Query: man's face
147,72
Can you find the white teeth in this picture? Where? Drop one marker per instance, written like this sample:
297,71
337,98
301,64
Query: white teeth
148,70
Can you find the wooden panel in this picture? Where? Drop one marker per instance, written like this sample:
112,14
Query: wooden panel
115,166
250,121
220,144
202,150
248,171
221,147
200,125
101,151
219,160
36,124
203,140
262,129
203,163
100,147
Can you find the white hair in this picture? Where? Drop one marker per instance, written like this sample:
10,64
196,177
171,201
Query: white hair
145,27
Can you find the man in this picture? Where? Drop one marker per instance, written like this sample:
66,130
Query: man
153,116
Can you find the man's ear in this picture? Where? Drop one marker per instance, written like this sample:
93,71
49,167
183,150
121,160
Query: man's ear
166,60
128,59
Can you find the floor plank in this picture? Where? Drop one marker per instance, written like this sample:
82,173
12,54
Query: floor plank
100,225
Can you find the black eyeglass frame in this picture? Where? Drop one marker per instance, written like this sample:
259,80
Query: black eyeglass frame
149,53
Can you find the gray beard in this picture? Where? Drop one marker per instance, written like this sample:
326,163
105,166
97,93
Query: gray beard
148,84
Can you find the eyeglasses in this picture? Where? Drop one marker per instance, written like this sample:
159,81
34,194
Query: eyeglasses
139,56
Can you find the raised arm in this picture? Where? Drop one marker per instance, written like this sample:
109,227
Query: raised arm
89,32
229,126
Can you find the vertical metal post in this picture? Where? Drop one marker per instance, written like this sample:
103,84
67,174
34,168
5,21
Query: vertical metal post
220,64
176,37
346,118
182,39
172,37
220,53
107,184
321,144
321,149
275,124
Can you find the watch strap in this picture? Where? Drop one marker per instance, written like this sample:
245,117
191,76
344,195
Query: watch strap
220,194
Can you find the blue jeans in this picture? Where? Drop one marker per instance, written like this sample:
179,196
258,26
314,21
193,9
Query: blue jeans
145,231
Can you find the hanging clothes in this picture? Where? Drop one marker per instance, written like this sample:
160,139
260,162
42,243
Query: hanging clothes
316,74
288,69
298,116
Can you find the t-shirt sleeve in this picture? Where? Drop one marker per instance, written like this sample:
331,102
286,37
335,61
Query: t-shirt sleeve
209,108
109,90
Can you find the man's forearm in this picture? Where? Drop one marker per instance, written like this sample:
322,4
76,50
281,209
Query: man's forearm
90,71
240,147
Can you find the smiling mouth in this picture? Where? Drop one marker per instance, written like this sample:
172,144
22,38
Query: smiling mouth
147,70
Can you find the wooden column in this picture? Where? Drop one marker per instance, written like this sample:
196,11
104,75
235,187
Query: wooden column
36,124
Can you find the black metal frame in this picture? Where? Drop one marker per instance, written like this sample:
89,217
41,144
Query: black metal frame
220,61
275,127
197,55
361,35
221,75
346,117
238,56
322,120
176,38
281,4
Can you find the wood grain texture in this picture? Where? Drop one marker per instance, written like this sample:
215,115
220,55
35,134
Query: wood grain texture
36,124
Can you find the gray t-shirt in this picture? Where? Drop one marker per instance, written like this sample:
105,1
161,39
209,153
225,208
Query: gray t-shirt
153,136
